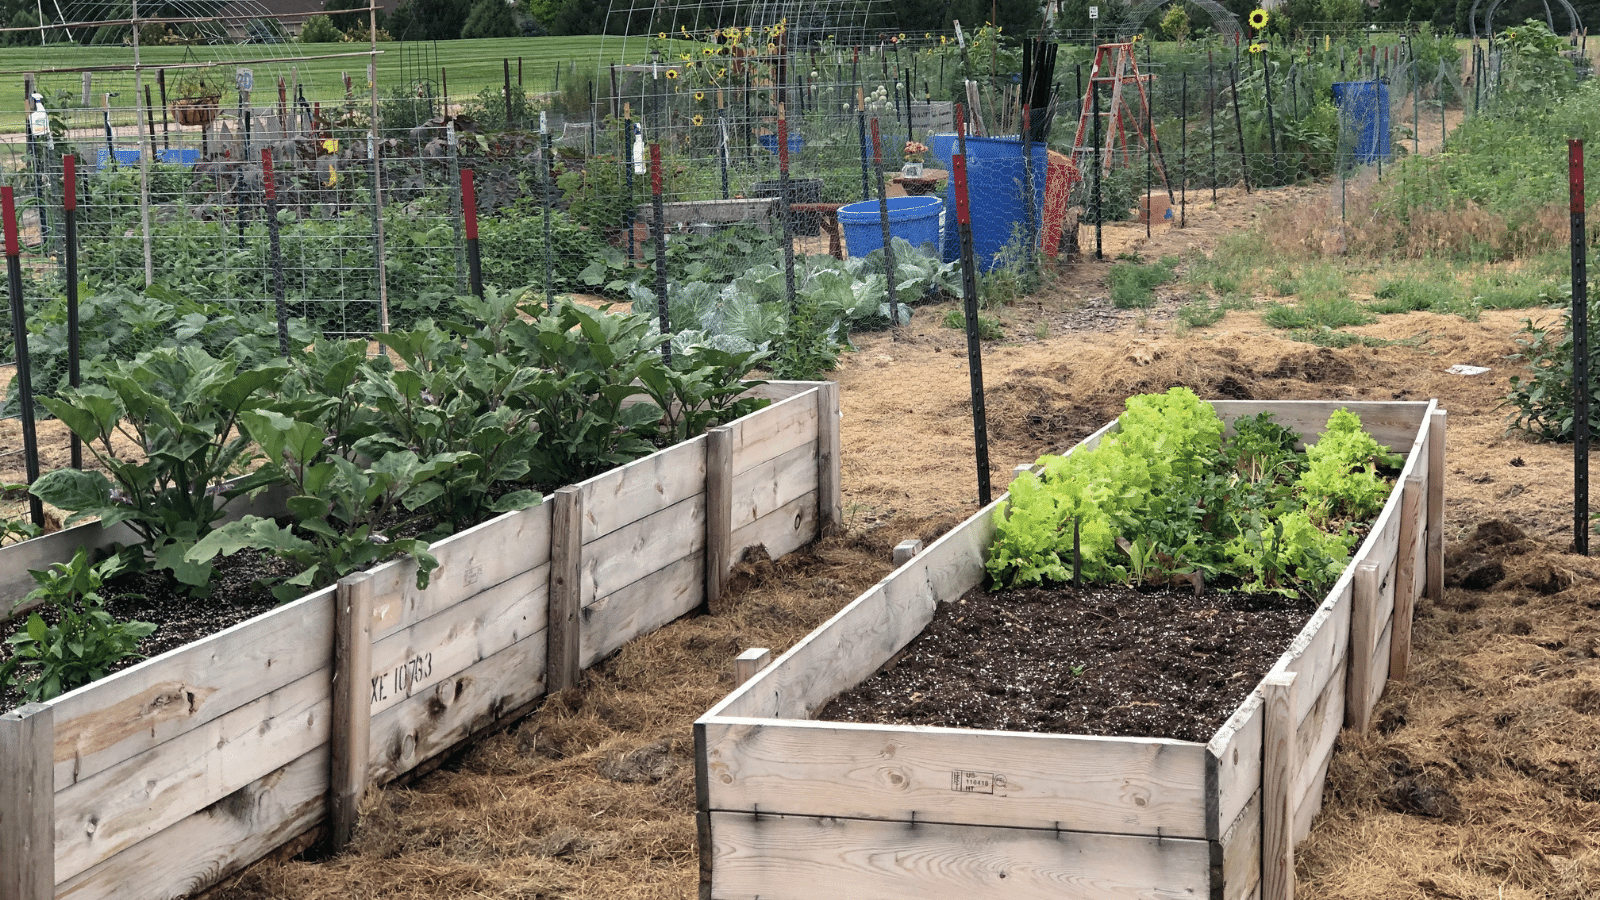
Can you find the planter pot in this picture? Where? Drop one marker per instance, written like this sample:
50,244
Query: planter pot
236,744
787,803
911,170
918,220
196,111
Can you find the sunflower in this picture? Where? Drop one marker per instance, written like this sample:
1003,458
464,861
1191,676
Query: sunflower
1258,19
662,35
699,95
1256,48
698,121
672,74
706,51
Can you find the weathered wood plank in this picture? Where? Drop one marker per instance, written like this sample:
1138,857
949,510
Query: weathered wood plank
836,657
1363,640
414,660
1317,654
469,561
127,713
638,550
434,721
748,663
351,714
782,531
1318,731
640,608
1380,666
1142,786
830,507
760,490
1382,550
1392,423
27,807
1311,802
774,431
102,816
782,390
215,842
783,857
1241,854
566,588
1277,787
904,551
719,511
1435,512
849,647
1405,579
1236,751
625,495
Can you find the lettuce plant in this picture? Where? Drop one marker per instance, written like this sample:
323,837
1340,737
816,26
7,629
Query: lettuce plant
1162,497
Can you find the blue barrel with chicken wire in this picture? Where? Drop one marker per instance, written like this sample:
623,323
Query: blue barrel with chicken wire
996,185
1364,114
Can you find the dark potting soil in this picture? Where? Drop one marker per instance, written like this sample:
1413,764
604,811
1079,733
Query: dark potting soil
1100,660
236,595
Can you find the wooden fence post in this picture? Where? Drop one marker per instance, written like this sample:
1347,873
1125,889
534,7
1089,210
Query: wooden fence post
906,549
830,505
1363,640
719,510
566,572
27,803
750,662
1436,432
350,738
1277,787
1405,578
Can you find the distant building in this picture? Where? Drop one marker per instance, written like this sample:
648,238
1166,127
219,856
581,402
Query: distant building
291,15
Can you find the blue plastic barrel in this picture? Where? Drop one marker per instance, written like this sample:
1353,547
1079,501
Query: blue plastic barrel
995,187
916,219
1364,112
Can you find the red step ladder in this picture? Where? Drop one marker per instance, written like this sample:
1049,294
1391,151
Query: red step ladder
1118,66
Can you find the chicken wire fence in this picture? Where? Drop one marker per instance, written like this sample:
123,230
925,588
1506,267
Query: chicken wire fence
179,246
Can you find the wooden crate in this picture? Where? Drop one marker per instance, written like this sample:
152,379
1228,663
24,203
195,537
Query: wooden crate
173,774
793,807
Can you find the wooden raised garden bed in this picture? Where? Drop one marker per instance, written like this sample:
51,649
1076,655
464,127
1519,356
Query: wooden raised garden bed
793,807
173,774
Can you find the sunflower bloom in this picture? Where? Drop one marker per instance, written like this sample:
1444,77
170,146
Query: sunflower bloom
662,35
699,95
698,121
1258,19
1256,48
672,74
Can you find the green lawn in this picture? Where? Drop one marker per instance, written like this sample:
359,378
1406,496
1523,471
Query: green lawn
470,66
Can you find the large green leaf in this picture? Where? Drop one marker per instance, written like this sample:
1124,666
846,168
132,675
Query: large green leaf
250,532
73,490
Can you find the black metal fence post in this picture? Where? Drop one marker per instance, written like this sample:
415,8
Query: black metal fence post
275,248
469,212
658,208
888,238
19,334
69,178
1580,352
969,293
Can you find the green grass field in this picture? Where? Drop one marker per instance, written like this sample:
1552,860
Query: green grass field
469,66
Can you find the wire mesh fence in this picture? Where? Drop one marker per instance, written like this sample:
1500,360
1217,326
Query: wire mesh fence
768,178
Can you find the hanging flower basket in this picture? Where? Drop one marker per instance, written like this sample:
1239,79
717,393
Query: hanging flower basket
201,111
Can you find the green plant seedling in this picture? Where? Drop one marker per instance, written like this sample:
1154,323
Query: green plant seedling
85,641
